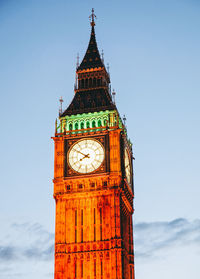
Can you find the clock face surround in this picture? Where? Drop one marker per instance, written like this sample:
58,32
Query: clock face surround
127,165
86,155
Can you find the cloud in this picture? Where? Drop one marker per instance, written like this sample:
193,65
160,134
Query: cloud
156,238
26,242
31,243
7,253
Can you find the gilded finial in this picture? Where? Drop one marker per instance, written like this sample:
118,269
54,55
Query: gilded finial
92,17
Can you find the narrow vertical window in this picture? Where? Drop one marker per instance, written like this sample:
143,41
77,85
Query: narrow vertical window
75,269
95,268
76,126
82,83
86,83
93,124
101,268
75,225
82,125
100,223
99,123
81,268
81,225
94,224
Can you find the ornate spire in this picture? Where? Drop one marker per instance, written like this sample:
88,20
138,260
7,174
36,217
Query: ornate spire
92,90
92,57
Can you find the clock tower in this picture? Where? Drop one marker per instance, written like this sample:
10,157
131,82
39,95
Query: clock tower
93,180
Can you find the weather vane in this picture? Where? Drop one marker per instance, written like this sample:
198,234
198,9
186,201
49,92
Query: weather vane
92,17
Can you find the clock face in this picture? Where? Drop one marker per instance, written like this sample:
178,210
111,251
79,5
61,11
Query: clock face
127,167
86,155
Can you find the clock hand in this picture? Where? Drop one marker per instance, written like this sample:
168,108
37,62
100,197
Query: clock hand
81,152
85,156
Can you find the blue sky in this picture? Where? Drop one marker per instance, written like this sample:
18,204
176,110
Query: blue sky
153,51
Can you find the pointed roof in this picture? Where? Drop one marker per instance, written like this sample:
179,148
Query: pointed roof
90,101
92,57
94,96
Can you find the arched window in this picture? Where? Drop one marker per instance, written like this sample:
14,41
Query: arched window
70,126
99,123
76,126
82,83
86,83
93,124
82,125
90,82
98,82
88,124
94,82
105,122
